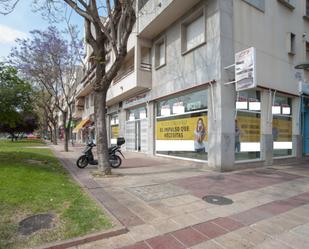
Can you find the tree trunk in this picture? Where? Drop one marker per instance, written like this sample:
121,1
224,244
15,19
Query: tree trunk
66,131
55,134
51,134
101,133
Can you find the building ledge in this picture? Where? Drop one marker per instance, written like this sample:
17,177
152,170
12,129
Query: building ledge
287,4
306,17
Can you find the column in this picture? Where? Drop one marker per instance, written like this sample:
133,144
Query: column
266,127
296,128
151,127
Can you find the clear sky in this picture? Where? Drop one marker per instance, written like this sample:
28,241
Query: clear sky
22,20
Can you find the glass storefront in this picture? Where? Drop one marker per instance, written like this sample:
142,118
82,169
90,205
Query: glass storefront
282,126
137,113
248,125
182,126
114,131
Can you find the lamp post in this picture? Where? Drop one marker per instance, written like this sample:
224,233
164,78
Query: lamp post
304,66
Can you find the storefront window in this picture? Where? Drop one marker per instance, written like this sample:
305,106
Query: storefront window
114,124
138,113
282,126
182,126
248,125
185,103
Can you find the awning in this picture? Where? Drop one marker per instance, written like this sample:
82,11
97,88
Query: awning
81,125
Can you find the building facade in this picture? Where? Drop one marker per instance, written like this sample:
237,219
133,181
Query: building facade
175,94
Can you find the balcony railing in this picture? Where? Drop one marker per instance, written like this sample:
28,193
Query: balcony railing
89,76
123,74
145,66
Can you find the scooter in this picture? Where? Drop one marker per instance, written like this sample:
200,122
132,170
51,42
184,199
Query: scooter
114,152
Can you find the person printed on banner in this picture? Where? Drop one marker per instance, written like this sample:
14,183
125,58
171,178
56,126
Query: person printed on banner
237,137
199,136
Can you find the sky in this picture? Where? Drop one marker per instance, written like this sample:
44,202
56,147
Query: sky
22,20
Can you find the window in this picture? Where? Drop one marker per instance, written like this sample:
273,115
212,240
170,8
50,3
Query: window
307,51
92,99
248,125
87,102
307,8
259,4
182,126
193,31
282,126
138,113
160,52
288,3
291,43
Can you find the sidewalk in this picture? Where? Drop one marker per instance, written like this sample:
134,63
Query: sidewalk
160,201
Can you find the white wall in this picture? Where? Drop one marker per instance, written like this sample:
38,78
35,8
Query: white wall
267,31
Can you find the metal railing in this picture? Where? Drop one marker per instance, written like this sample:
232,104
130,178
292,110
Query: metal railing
123,74
145,66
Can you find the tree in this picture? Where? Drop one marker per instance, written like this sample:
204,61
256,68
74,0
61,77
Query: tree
26,122
50,60
106,27
7,6
15,98
46,109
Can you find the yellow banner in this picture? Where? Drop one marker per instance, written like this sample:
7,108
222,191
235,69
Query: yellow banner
282,129
114,131
179,128
249,127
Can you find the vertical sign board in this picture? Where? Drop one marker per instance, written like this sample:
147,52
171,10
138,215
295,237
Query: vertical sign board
245,69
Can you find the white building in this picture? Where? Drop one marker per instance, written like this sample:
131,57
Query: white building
174,95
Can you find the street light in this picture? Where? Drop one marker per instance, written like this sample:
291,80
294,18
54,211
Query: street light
304,66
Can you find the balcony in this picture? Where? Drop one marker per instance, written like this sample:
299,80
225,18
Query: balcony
84,88
156,15
129,82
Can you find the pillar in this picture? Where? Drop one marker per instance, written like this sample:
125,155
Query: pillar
296,128
151,112
266,127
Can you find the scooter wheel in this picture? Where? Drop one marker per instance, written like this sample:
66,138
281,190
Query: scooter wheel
115,161
82,162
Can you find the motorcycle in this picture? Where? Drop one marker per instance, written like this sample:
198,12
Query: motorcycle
114,152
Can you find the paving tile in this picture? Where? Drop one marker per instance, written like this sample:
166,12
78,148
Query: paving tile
302,230
228,223
143,232
189,236
233,241
185,220
165,225
210,244
121,240
294,240
139,245
210,229
273,244
164,242
254,236
251,216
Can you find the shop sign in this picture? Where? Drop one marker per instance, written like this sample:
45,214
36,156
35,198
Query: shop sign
179,129
249,127
245,69
286,109
282,129
194,105
165,110
254,104
115,131
178,108
139,99
242,103
276,109
180,134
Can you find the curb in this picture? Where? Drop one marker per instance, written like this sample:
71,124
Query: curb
84,239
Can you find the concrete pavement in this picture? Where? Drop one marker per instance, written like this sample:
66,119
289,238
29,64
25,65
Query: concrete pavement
161,203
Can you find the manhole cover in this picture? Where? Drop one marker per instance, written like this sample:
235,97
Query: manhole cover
217,200
34,223
215,177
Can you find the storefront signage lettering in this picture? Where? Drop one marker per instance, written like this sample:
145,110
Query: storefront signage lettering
245,69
